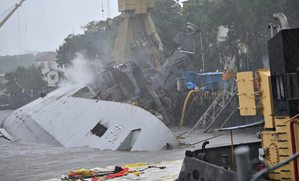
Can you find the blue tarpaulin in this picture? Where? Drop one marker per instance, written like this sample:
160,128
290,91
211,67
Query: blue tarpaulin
190,85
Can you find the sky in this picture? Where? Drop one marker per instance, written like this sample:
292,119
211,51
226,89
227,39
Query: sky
42,25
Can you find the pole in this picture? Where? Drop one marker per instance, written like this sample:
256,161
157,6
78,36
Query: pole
243,163
247,60
232,148
8,16
23,89
202,57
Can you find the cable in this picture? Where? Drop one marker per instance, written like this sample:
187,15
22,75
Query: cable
229,116
291,118
25,17
108,9
6,11
19,33
102,9
268,169
205,140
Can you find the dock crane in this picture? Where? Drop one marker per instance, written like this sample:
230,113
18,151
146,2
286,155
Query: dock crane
9,15
137,32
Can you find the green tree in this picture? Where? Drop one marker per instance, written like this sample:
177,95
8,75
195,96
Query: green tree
10,62
198,12
166,17
29,78
247,22
96,42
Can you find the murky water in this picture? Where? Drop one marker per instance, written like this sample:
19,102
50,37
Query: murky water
24,161
29,161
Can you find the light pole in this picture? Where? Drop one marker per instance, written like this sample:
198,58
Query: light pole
191,30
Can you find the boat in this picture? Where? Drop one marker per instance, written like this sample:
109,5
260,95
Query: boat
275,156
54,120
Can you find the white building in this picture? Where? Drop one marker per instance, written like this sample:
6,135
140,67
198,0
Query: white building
53,74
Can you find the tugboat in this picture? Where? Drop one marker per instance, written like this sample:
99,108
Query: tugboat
275,156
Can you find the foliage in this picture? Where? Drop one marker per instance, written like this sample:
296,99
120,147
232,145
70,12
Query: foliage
199,12
247,22
166,17
30,78
96,42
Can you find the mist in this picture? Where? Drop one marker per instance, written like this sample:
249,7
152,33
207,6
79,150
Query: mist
80,73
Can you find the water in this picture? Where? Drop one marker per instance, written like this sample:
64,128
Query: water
28,161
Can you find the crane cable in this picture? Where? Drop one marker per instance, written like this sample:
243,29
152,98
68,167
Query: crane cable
20,43
108,9
102,9
7,11
25,17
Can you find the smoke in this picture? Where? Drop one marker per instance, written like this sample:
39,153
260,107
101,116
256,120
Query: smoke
80,74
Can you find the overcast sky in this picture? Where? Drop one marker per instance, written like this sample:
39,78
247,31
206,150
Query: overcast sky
42,25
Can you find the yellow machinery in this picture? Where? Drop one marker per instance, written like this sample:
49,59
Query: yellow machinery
137,35
278,94
276,136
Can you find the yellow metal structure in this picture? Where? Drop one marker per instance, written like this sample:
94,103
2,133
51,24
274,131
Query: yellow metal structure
246,93
9,15
138,6
276,137
265,93
278,144
137,33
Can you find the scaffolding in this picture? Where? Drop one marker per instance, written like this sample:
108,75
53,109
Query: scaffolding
204,124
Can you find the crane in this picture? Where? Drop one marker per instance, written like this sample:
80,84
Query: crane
137,32
9,15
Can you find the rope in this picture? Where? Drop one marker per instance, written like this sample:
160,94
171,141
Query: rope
291,118
20,42
228,117
102,9
205,140
25,17
108,9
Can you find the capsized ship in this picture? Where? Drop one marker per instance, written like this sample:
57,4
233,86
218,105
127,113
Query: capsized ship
103,114
62,119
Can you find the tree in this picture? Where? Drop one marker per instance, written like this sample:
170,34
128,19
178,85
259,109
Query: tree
30,78
166,17
198,12
95,43
247,22
10,62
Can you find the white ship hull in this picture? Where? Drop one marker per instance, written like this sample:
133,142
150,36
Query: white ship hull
60,119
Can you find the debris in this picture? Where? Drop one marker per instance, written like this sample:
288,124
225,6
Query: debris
81,173
167,170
